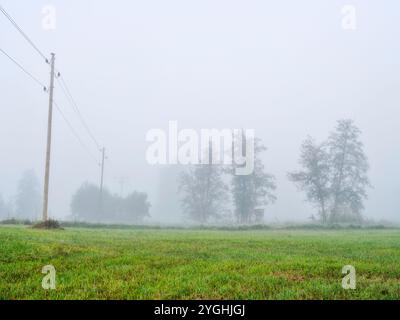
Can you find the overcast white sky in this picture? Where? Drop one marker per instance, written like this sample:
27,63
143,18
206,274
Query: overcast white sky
284,68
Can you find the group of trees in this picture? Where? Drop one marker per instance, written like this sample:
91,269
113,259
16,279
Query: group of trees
207,188
334,174
89,204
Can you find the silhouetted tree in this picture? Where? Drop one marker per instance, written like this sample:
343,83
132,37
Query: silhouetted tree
204,193
349,167
28,199
314,179
334,174
251,193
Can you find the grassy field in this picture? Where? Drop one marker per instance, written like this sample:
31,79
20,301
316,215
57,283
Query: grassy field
185,264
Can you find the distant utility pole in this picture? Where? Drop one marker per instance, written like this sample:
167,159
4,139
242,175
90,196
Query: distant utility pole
48,150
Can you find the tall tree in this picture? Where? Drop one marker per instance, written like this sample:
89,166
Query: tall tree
314,178
28,199
254,191
335,174
3,208
349,166
204,192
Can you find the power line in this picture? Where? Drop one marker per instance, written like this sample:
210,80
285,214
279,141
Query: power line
23,34
75,107
75,133
59,109
23,69
67,92
63,85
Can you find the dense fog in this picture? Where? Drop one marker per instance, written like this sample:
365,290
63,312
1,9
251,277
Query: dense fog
285,69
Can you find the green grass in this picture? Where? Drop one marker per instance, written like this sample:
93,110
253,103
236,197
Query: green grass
195,264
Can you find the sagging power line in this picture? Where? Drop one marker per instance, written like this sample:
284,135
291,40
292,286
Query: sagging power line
24,70
75,133
74,105
7,15
35,79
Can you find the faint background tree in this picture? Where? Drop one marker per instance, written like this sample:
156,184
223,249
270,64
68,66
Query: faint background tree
349,166
334,174
251,193
204,192
3,209
314,178
135,207
28,197
87,205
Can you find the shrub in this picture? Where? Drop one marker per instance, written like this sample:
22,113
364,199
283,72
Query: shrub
48,225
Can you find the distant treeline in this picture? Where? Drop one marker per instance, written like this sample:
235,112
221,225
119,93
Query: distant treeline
90,205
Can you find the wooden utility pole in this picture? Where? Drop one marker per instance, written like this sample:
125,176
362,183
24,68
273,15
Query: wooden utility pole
48,150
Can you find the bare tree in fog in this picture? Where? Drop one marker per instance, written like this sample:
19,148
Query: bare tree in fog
314,179
251,193
349,166
204,193
28,198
